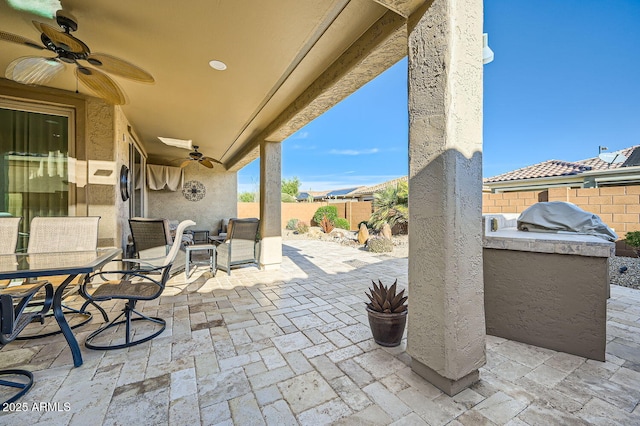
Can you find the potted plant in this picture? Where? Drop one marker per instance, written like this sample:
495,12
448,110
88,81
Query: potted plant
387,313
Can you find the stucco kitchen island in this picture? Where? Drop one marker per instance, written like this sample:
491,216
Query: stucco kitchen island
547,289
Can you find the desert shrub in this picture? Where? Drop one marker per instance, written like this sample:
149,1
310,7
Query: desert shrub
247,197
342,223
331,213
302,227
379,245
287,198
391,205
633,239
292,224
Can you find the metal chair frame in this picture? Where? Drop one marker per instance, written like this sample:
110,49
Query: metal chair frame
13,319
134,285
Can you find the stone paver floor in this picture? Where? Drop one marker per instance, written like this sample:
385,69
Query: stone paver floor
293,347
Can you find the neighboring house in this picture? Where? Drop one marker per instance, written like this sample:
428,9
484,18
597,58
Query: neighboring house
329,195
361,193
365,193
589,173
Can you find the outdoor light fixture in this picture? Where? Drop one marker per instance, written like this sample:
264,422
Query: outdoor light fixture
487,53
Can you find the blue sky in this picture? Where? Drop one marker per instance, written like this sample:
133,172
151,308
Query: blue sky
565,79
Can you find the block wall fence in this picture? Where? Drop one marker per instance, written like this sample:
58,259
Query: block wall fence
355,212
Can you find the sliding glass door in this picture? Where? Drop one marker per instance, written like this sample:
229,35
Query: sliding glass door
34,159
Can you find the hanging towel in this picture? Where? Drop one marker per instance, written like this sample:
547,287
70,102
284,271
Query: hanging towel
159,177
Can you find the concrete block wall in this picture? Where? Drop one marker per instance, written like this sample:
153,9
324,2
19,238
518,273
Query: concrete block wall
511,202
354,212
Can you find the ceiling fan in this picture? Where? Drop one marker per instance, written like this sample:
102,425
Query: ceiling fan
38,70
200,158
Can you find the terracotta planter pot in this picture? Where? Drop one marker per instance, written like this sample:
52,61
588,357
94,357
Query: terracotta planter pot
387,329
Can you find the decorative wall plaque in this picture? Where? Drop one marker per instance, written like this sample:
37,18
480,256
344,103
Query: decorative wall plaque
193,190
124,183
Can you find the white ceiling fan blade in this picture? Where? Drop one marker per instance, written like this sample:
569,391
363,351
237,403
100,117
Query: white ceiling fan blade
33,70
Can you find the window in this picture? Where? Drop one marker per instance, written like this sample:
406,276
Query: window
34,160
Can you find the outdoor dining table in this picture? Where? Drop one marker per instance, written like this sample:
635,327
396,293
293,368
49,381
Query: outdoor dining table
71,264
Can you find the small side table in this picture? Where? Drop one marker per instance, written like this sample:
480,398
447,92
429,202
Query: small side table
200,236
194,247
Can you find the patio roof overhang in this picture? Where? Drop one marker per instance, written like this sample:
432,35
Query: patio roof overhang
288,62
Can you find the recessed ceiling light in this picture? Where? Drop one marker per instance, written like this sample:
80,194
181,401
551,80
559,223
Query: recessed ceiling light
218,65
180,143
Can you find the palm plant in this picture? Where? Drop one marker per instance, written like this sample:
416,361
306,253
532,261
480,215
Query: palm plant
391,205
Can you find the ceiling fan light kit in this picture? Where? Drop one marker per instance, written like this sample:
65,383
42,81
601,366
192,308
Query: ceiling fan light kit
37,70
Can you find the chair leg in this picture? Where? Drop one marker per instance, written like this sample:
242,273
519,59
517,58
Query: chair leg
24,386
95,305
69,310
127,312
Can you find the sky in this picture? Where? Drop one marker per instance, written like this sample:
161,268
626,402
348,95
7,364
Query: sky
565,80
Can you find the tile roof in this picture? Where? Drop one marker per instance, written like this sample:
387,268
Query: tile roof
555,168
545,169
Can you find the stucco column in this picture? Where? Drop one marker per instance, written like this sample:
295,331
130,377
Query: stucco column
270,207
446,329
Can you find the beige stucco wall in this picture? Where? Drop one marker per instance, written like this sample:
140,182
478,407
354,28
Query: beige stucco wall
555,301
219,201
100,148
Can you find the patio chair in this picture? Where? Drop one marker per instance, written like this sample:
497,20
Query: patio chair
13,319
132,285
240,247
9,227
149,234
64,234
152,239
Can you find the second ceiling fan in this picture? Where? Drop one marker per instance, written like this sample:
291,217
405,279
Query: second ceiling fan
200,158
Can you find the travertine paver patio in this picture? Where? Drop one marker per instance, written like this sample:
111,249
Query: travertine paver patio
293,347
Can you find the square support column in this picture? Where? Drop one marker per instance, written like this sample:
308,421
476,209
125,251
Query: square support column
270,205
446,330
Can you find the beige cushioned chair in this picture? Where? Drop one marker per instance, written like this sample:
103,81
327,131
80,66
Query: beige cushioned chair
62,234
9,227
13,316
240,247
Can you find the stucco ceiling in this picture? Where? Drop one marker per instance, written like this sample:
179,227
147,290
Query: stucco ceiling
274,51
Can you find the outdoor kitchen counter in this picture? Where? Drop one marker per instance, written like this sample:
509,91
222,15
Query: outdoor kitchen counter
545,242
547,289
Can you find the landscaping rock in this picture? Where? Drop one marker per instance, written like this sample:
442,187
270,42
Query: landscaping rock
386,231
363,234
